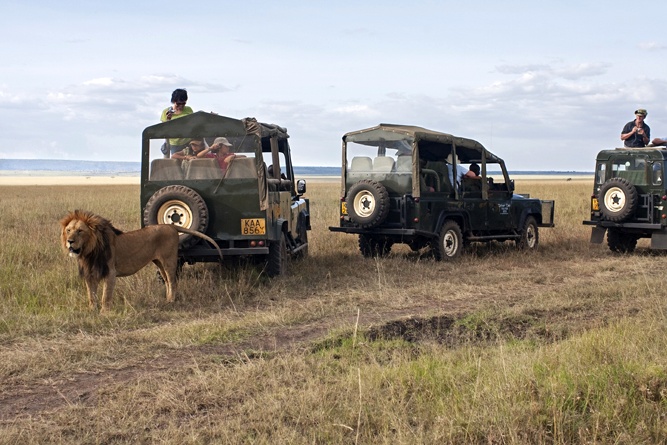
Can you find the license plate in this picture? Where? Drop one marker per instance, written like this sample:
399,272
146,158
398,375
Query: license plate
595,204
253,226
343,208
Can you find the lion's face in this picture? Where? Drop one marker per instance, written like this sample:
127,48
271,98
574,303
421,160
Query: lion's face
76,236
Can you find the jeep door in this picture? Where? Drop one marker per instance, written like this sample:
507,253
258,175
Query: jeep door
500,191
474,204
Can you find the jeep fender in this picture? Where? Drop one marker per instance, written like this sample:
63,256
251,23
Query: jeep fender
525,213
282,229
280,226
303,219
460,217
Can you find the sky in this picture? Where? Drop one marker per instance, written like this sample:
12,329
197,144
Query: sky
544,85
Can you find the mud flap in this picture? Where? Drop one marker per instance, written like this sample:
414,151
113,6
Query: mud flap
659,240
597,235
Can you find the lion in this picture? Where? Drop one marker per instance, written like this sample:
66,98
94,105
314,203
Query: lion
104,252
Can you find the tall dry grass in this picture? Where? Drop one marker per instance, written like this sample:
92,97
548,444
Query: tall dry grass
564,345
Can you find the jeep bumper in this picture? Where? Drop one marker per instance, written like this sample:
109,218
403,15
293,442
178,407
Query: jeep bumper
656,232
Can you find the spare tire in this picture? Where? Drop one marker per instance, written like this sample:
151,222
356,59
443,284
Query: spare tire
367,203
618,199
179,205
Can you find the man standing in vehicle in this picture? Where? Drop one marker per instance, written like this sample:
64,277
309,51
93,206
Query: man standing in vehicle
177,109
636,133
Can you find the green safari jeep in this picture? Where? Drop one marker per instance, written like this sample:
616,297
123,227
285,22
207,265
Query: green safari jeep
249,210
398,186
628,200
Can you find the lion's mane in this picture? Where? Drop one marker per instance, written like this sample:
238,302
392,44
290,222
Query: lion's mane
96,253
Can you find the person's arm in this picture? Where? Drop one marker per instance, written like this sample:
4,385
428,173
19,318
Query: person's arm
166,115
208,151
625,136
643,134
179,155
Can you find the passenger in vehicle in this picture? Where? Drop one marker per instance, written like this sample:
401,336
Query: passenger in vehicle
659,141
461,171
270,170
177,109
636,133
473,171
221,150
191,151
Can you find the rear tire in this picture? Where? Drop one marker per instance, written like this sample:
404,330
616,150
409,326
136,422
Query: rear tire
450,242
181,206
372,246
620,242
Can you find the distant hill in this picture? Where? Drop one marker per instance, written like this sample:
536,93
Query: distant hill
113,167
119,168
76,167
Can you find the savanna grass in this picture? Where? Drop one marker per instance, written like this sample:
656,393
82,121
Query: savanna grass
562,345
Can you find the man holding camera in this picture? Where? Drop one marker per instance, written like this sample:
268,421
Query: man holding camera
636,133
177,109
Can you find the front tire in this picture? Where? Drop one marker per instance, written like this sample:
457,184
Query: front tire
450,242
530,236
181,206
302,230
277,258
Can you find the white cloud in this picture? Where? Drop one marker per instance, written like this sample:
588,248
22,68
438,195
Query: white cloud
653,46
537,95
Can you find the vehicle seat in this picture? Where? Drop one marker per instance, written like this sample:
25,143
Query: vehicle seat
166,170
207,168
383,164
404,164
361,164
241,168
636,177
471,187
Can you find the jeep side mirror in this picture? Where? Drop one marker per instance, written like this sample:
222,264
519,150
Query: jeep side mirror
301,186
512,185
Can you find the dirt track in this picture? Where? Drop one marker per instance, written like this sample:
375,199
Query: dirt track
413,321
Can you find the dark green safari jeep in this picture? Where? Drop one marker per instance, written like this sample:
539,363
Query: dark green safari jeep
248,209
628,200
398,186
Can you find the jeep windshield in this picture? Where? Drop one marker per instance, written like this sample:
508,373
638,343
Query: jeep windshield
203,158
632,168
379,155
386,154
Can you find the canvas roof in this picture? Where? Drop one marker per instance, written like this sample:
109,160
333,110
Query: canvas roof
203,124
398,132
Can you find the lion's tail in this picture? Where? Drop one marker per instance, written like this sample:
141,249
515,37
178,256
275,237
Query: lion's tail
200,235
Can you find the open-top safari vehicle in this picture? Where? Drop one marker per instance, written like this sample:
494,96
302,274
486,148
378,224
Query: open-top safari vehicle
398,186
629,199
249,209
